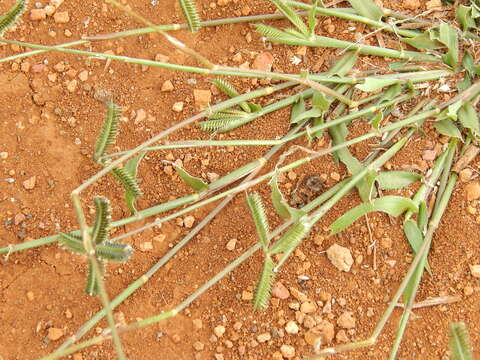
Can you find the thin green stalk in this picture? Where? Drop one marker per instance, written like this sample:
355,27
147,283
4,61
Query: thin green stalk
102,292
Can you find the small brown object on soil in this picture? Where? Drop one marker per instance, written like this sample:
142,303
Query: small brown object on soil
231,244
167,86
341,257
465,175
411,4
280,291
472,191
342,336
307,189
263,61
288,351
324,331
202,97
262,338
61,17
38,14
433,4
475,270
346,320
470,154
219,331
55,333
29,184
308,307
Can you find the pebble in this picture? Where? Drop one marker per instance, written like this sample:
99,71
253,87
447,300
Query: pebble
202,97
263,61
291,327
475,270
468,290
231,244
308,307
25,66
61,17
298,295
277,355
83,75
103,95
324,331
280,291
178,106
72,85
3,155
219,331
77,356
342,336
247,295
465,175
54,333
199,346
335,176
288,351
429,155
38,14
49,10
29,184
246,10
167,86
140,116
188,221
146,246
213,176
340,257
411,4
262,338
346,320
472,190
30,296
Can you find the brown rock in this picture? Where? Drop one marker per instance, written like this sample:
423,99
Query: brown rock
202,97
308,307
297,294
429,155
323,332
231,244
472,190
288,351
340,257
54,333
432,4
263,61
38,14
262,338
465,175
61,17
475,270
247,295
280,291
346,320
411,4
167,86
342,336
29,184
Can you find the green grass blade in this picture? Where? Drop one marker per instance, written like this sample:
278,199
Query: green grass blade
257,210
190,12
194,182
229,90
291,15
10,18
459,342
367,8
114,251
103,219
109,131
127,180
392,205
264,286
290,240
132,167
72,242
